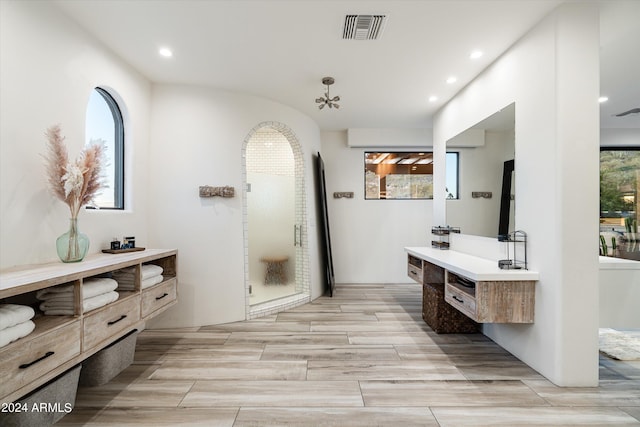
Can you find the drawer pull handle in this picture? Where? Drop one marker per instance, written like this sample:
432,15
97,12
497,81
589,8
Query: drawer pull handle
113,322
162,296
47,354
458,299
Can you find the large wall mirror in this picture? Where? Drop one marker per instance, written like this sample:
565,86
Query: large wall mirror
486,154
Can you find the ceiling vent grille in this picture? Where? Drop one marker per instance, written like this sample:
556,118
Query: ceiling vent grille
363,27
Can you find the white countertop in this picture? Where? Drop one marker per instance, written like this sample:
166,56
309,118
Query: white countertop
21,275
472,267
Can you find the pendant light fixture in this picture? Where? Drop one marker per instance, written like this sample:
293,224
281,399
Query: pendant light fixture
326,99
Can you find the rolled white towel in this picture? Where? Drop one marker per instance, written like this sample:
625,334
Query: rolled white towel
60,312
67,308
151,274
62,299
128,282
124,271
15,332
57,304
94,287
56,290
146,283
13,314
123,276
99,301
151,281
150,270
146,271
90,288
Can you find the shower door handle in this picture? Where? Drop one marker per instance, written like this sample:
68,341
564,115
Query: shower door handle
297,235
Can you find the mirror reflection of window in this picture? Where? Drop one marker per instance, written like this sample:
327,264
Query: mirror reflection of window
620,202
405,175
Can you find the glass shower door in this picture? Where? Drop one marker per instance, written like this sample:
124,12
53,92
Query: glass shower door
273,234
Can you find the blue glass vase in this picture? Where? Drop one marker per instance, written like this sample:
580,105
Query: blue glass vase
72,246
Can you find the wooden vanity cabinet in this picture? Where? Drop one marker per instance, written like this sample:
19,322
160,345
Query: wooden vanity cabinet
504,297
59,343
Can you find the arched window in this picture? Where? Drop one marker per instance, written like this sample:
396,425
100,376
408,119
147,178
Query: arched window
104,121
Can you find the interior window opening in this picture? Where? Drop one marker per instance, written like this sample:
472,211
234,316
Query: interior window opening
406,175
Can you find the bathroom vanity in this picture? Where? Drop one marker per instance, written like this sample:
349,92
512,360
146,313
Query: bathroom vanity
59,343
476,286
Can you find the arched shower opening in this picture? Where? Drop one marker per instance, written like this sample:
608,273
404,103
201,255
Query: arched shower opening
275,221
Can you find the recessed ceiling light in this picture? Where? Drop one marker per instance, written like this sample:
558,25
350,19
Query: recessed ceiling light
165,52
452,79
433,98
603,99
476,54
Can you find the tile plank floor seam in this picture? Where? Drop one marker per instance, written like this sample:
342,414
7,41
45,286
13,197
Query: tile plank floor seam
362,358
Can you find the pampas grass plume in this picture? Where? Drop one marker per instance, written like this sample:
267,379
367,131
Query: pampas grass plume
64,177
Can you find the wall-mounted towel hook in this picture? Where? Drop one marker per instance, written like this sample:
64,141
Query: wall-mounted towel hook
208,191
481,194
343,195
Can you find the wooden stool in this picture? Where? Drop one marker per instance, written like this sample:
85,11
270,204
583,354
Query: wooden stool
275,270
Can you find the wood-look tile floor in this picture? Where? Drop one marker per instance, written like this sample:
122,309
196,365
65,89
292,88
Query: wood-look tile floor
362,358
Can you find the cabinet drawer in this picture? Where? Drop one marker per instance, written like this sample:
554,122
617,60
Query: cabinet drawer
158,296
27,360
461,300
104,323
414,268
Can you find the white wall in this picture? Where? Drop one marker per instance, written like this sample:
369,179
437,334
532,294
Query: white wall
197,136
619,281
552,74
615,137
48,69
368,236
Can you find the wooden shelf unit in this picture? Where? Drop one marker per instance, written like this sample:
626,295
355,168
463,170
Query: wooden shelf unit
60,342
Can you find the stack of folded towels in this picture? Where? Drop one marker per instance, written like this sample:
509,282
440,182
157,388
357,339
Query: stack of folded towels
96,292
151,275
15,322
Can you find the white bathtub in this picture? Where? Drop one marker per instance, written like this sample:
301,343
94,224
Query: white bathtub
619,293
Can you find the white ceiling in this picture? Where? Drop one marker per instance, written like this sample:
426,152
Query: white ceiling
281,49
